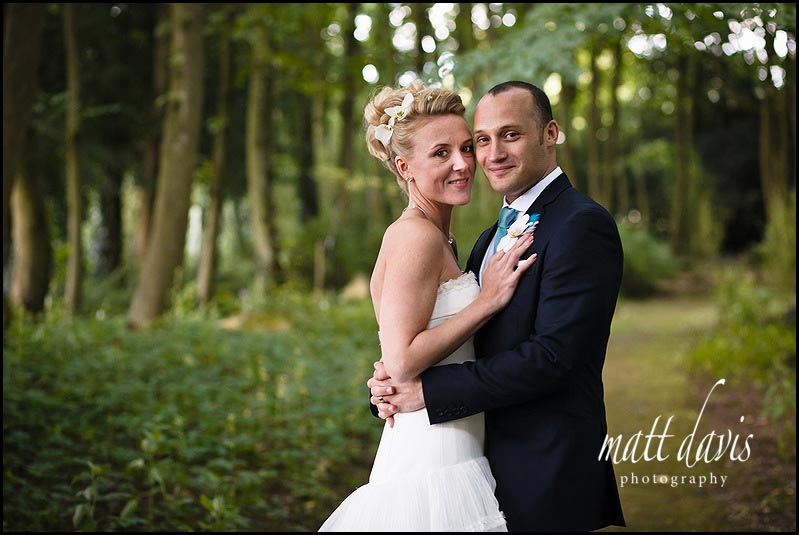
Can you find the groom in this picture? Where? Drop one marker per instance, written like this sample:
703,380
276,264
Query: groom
538,374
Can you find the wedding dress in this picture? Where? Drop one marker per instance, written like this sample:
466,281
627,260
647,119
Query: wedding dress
428,477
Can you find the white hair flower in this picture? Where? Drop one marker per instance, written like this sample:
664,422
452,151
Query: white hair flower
397,113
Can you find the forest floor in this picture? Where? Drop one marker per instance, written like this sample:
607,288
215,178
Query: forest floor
647,376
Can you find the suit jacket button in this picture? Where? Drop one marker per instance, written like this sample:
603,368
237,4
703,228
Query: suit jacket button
440,412
447,412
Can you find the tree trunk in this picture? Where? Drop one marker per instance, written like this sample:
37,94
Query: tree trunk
680,217
33,256
111,210
150,170
23,23
74,279
616,187
774,176
594,170
208,259
259,153
568,162
179,147
464,31
422,21
306,146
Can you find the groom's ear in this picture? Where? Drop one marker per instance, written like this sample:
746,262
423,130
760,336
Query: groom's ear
551,132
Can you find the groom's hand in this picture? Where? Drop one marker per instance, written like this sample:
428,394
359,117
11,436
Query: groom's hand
391,397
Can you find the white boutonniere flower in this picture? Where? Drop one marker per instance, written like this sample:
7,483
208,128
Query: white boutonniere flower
397,113
524,223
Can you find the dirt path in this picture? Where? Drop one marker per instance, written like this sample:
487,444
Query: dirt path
646,376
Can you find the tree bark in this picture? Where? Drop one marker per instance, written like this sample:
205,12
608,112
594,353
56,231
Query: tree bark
680,217
259,154
594,170
33,256
616,187
306,146
152,149
21,40
179,148
421,19
208,258
73,291
568,92
111,210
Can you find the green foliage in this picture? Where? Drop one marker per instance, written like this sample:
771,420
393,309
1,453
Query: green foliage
647,261
755,341
187,426
777,253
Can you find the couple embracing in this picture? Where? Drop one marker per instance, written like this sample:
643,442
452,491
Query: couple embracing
490,380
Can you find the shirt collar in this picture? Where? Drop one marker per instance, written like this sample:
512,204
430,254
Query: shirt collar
526,199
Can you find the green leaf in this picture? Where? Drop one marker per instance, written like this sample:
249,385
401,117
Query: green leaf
131,506
80,512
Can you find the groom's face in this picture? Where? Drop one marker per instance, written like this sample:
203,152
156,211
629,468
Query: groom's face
510,144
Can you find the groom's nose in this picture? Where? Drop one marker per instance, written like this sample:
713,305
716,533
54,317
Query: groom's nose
494,151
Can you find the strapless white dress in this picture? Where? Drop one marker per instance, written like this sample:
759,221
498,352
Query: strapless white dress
428,477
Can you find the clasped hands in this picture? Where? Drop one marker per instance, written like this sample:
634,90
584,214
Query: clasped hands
391,397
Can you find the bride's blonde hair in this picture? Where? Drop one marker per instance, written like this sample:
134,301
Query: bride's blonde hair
427,102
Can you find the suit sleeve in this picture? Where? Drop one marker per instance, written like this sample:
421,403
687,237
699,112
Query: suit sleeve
580,276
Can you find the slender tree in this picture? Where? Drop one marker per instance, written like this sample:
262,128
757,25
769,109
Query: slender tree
177,163
21,39
682,200
208,258
33,256
594,165
160,79
73,292
259,154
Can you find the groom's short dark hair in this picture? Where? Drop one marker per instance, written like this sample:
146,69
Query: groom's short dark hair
540,99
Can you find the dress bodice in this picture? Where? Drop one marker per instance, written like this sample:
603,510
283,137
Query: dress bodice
453,296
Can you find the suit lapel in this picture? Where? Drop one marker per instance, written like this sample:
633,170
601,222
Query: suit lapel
480,248
549,194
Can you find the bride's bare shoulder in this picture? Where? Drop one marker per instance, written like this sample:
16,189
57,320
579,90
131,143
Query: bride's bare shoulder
416,233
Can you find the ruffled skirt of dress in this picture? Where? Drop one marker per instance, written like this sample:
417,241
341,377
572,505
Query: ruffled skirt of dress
425,478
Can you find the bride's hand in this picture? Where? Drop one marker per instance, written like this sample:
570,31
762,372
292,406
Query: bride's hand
501,274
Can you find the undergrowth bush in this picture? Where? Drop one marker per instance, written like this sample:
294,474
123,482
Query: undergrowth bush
755,341
647,261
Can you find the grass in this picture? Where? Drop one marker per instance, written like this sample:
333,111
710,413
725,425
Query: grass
648,374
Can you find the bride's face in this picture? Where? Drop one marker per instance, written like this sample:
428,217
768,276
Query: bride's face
442,162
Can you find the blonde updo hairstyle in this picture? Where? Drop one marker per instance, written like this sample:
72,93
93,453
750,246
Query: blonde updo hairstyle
427,102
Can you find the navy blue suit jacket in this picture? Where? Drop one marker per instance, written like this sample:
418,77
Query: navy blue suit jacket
538,374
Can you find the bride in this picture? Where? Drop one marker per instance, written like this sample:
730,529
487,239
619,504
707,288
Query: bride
428,477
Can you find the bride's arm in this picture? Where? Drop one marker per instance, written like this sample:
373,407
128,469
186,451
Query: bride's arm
414,265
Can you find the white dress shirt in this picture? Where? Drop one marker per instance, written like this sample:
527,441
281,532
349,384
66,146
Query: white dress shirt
523,203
